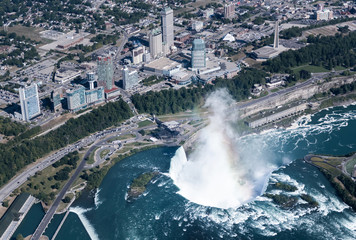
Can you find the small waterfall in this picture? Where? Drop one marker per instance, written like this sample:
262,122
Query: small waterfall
88,227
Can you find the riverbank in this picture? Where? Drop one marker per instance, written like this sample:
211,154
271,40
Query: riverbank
96,175
340,177
317,104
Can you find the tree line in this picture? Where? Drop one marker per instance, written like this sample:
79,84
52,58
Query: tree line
346,88
11,128
173,101
329,52
346,193
17,153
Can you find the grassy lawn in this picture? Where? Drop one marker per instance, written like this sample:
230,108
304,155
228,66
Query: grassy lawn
42,182
339,68
91,159
126,136
275,89
350,165
180,115
104,152
123,150
316,159
310,68
145,123
136,144
63,205
335,162
29,32
333,171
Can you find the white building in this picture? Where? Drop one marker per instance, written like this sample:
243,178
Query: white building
167,26
66,75
30,102
156,43
197,26
137,55
208,13
324,14
130,78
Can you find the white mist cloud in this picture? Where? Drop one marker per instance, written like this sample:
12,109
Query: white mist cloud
215,175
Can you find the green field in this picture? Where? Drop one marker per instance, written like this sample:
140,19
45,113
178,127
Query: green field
350,165
310,68
332,170
126,136
91,159
145,123
104,152
41,184
29,32
339,68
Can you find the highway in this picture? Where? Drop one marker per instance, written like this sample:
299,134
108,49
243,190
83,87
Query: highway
281,92
21,178
49,214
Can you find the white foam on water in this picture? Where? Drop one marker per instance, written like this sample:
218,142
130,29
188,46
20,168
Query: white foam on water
262,214
215,174
87,225
97,200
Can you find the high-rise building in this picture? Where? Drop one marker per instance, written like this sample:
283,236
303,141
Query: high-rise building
198,54
155,43
229,10
137,55
276,35
76,98
105,73
93,96
167,26
30,102
56,96
130,79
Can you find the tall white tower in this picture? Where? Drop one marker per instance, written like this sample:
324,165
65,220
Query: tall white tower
276,35
155,43
167,26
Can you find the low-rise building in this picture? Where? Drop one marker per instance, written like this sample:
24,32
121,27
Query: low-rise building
276,80
14,215
64,75
208,13
276,116
197,26
163,66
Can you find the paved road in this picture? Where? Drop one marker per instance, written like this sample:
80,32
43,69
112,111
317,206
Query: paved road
49,215
21,178
281,92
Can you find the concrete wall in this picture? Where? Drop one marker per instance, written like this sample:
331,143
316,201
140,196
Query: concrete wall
298,94
279,115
